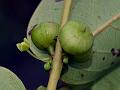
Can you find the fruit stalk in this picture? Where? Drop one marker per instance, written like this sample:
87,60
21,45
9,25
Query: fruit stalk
57,60
106,25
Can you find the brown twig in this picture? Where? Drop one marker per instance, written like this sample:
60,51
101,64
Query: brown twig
106,25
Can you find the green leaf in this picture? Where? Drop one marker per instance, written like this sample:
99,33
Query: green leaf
109,82
80,87
102,61
94,13
9,81
76,76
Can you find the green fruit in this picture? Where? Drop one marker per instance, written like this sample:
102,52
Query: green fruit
76,38
44,34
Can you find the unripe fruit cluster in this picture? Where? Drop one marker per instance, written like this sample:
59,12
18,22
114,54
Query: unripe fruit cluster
75,37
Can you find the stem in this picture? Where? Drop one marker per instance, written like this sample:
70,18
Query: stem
67,7
56,69
106,25
57,60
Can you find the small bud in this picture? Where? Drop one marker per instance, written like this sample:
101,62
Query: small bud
50,62
65,60
47,66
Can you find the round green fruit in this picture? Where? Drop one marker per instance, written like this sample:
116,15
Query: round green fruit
76,38
44,34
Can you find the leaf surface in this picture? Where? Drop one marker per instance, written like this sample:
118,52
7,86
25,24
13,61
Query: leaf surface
109,82
94,13
9,81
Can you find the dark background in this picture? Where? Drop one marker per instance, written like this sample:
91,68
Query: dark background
14,18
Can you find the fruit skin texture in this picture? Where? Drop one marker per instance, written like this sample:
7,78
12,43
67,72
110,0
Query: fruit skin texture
44,34
76,38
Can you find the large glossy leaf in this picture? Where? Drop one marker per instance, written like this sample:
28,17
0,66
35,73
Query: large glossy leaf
109,82
9,81
91,12
78,76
